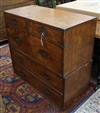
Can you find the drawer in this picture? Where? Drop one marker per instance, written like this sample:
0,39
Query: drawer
52,34
48,77
36,83
48,55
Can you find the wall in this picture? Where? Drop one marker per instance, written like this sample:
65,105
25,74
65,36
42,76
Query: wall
8,4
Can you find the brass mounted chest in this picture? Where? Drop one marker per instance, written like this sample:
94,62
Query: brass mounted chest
52,50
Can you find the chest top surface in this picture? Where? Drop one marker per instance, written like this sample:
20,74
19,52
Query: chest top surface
53,17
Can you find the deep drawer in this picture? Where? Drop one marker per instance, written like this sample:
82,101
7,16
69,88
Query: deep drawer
48,55
32,80
48,77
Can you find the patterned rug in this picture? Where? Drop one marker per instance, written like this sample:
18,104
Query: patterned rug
17,95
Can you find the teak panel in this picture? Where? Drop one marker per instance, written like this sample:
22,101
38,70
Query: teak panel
76,83
42,73
78,46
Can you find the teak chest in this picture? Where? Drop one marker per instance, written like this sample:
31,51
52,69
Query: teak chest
52,50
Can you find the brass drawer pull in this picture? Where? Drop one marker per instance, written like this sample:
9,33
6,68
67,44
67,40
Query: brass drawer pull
42,38
43,34
43,53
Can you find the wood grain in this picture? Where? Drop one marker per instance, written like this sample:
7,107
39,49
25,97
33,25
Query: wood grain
57,18
78,46
46,55
42,73
52,50
76,83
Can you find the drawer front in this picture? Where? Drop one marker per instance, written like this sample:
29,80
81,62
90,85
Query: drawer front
48,55
52,34
36,83
39,48
48,77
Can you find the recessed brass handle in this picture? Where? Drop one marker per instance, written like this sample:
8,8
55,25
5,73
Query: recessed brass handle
43,34
43,53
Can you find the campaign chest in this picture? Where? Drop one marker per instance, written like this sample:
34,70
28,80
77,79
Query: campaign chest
52,50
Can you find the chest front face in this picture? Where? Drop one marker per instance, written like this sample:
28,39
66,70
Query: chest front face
38,41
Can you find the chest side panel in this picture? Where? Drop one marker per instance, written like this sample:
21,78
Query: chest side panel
78,45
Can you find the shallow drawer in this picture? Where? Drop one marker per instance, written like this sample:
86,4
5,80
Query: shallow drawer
50,33
31,79
48,77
